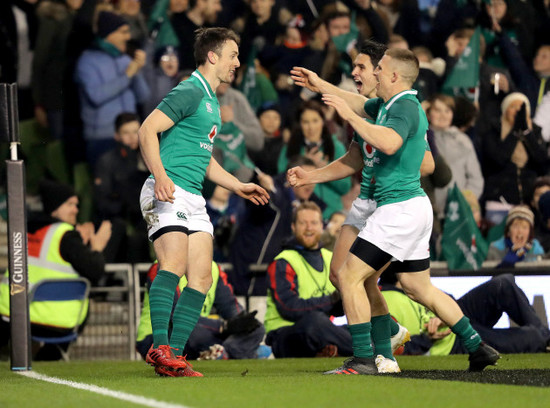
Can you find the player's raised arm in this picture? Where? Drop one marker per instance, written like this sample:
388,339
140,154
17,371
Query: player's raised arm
381,138
306,78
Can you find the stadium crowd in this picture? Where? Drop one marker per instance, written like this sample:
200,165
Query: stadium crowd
90,71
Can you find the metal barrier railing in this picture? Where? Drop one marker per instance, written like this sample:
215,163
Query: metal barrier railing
115,310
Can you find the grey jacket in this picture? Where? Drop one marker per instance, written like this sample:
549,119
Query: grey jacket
459,153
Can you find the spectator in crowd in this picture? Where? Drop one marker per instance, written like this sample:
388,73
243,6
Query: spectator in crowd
262,26
58,248
497,20
18,28
369,22
533,80
131,11
162,74
403,18
310,137
110,82
484,306
429,77
267,158
512,155
199,13
118,178
519,242
456,148
332,231
301,297
235,334
55,21
234,104
230,147
440,178
261,231
223,208
159,23
540,204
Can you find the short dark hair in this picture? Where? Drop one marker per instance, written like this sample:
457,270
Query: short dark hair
211,39
374,50
410,66
306,205
125,117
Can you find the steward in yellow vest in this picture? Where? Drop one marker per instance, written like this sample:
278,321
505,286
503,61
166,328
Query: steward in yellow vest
56,250
301,298
233,333
484,306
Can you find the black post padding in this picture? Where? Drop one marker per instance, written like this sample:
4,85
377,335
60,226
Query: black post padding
9,116
21,355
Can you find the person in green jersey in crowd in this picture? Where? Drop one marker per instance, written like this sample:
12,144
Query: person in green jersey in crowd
401,224
188,119
361,155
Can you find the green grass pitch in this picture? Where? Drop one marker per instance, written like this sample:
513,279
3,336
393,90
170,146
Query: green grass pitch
519,381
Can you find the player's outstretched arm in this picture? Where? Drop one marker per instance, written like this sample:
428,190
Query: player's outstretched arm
250,191
308,79
381,138
155,123
343,167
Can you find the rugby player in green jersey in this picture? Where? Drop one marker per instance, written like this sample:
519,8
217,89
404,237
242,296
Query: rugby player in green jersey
400,227
188,120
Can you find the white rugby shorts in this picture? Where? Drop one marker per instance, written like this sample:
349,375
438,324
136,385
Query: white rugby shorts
361,210
401,229
187,213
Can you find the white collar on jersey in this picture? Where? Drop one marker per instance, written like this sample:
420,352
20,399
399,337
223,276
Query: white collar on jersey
196,75
399,95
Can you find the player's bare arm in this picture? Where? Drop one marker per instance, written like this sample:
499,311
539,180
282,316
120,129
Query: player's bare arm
381,138
343,167
155,123
427,166
305,78
250,191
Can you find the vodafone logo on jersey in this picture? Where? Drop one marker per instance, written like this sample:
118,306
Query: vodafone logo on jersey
368,150
213,133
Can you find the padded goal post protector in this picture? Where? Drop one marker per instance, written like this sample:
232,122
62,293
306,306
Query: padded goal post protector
21,355
9,117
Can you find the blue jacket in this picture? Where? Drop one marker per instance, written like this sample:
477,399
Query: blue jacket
105,91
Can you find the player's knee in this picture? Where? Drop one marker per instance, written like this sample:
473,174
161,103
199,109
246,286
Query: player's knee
202,284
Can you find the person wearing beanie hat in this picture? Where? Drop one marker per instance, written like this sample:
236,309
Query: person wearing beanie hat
109,82
518,243
513,155
270,121
53,195
57,249
108,23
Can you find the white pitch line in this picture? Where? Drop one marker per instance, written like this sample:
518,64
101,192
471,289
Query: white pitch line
136,399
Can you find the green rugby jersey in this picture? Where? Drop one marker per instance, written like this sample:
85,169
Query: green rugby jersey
369,161
398,175
186,148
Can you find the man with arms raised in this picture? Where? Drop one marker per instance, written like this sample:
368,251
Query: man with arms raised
360,155
400,226
171,200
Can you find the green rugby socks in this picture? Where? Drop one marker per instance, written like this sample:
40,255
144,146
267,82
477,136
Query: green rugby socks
161,299
467,334
381,333
186,316
361,341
